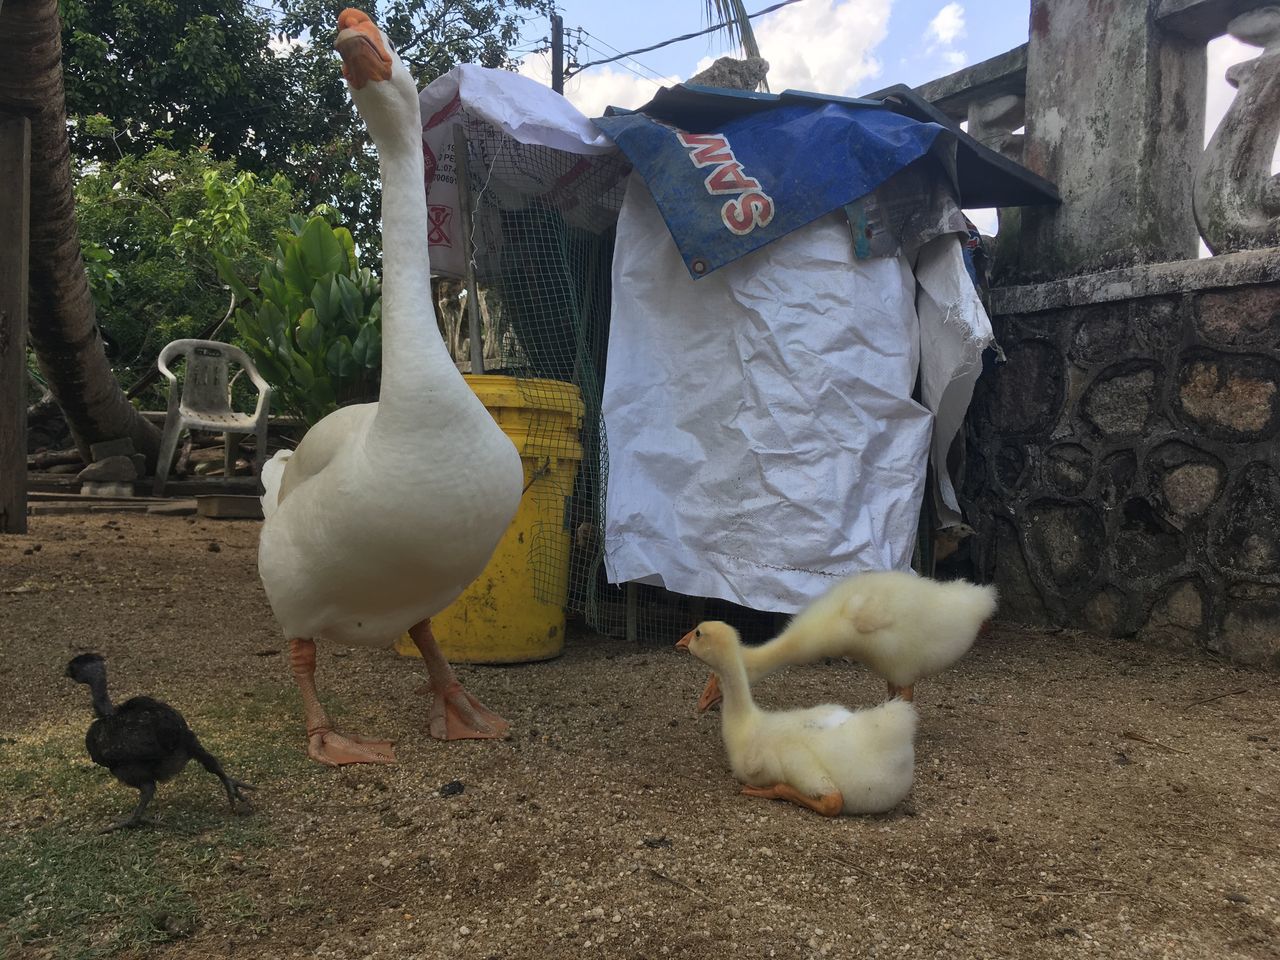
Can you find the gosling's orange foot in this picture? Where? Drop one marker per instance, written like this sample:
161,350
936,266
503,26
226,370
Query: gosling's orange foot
710,694
828,804
335,749
907,693
457,715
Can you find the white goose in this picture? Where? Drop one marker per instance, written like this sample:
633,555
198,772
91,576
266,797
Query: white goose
369,529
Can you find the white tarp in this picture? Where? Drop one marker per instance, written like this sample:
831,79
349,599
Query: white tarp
529,113
761,433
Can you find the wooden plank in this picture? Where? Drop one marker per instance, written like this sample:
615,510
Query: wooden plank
222,506
1203,20
175,489
15,207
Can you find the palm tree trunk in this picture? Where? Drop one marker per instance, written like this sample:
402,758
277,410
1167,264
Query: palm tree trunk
63,329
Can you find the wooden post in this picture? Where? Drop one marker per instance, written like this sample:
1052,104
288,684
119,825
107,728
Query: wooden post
468,265
557,53
15,189
633,610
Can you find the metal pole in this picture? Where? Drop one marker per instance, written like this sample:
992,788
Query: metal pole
468,263
557,53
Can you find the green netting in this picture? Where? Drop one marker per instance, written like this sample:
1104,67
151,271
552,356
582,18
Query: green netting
543,273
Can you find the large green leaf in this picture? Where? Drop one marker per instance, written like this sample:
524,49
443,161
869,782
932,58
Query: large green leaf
322,252
348,245
339,359
326,300
272,322
309,334
295,270
367,348
351,299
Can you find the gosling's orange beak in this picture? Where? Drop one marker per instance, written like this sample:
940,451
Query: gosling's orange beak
683,644
360,45
710,694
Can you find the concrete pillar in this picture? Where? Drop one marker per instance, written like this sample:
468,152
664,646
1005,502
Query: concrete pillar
1115,117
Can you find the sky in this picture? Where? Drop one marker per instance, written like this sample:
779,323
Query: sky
845,47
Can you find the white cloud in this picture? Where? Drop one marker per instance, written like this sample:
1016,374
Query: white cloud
599,87
947,27
942,33
822,45
826,46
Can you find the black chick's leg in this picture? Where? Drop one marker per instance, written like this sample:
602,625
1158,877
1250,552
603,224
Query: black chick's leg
148,790
210,763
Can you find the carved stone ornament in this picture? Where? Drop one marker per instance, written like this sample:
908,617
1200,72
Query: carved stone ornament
1236,198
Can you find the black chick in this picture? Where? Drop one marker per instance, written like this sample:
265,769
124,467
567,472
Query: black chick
142,742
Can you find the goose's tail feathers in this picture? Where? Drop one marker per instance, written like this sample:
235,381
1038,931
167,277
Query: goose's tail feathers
272,474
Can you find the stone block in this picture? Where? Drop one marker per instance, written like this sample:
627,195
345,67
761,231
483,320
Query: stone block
1121,399
1243,316
1106,612
1146,544
122,447
1020,598
1011,463
1250,629
1186,479
1115,478
1231,396
1190,489
1026,393
1102,333
1108,332
1246,534
113,469
1067,542
108,489
1177,617
1068,468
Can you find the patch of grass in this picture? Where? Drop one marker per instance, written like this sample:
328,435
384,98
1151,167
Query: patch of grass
69,893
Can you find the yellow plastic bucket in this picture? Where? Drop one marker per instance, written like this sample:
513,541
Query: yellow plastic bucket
514,611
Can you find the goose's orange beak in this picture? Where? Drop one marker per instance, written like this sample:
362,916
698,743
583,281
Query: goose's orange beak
683,643
360,46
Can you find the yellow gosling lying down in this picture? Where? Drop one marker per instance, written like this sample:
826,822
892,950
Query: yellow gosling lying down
829,759
900,626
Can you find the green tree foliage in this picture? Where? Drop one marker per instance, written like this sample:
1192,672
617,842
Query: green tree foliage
314,325
260,83
153,229
183,72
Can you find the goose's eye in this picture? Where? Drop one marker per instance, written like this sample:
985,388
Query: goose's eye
697,633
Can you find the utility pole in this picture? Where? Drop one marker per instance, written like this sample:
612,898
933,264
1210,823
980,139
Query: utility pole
557,53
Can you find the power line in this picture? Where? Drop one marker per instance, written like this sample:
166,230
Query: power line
687,36
609,46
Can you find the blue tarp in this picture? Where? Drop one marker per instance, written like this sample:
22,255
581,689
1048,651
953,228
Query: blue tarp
740,172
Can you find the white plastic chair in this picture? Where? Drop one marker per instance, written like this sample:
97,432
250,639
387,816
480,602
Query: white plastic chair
205,402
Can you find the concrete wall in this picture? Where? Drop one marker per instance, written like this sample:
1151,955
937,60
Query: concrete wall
1123,469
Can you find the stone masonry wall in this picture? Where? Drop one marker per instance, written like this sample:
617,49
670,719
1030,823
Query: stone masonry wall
1123,465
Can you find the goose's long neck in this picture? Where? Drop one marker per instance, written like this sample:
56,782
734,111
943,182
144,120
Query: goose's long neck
776,653
102,705
736,688
417,372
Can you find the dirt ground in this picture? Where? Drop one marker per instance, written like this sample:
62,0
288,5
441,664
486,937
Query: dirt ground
1073,797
